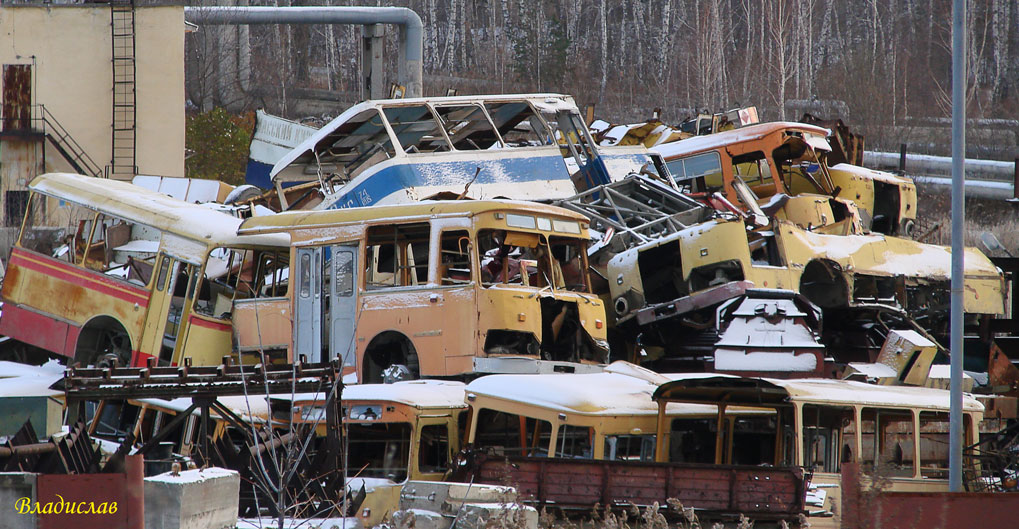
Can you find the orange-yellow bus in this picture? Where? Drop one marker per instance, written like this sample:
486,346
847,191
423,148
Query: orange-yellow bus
105,271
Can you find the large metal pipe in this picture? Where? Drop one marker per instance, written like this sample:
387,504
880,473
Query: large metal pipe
958,227
411,34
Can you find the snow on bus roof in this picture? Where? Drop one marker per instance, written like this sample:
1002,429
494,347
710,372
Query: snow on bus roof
416,393
143,206
823,391
607,393
425,209
721,139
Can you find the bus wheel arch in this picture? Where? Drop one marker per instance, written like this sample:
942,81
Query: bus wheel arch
824,284
103,340
388,349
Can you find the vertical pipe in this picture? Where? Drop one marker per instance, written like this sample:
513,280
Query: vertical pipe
958,221
902,159
1015,179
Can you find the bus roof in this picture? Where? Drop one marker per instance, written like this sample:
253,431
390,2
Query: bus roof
416,393
333,217
717,140
150,208
766,391
341,126
593,394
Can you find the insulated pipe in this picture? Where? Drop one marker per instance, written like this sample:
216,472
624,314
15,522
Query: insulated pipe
958,229
411,35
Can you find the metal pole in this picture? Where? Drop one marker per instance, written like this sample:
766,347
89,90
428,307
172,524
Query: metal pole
958,221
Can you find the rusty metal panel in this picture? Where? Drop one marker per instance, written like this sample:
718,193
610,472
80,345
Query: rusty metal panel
17,97
85,492
763,492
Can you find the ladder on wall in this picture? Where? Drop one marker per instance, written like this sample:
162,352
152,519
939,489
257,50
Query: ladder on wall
123,163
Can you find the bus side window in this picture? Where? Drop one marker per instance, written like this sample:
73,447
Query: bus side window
509,434
455,263
164,266
826,438
397,255
887,441
433,454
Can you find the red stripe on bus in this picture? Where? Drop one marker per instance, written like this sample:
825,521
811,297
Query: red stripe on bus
75,275
215,325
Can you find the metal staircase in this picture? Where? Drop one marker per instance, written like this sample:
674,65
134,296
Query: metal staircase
52,130
122,162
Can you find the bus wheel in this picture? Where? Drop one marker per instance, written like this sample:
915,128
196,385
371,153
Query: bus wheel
390,357
103,342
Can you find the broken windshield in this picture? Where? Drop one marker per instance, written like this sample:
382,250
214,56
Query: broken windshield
532,259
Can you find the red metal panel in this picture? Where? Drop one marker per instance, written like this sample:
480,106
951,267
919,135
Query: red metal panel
754,491
36,329
83,491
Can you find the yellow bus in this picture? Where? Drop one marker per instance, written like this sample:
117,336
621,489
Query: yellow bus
105,271
433,289
600,416
899,433
405,430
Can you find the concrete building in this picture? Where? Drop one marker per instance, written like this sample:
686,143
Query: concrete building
95,88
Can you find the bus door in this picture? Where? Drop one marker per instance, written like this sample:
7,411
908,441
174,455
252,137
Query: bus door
592,171
177,328
160,314
325,302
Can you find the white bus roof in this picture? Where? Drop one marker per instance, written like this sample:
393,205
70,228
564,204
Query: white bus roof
339,127
721,139
416,393
765,391
150,208
594,394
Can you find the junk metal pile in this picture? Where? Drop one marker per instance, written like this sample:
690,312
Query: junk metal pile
523,315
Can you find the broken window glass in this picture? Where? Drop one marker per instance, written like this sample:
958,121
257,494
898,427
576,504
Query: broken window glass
509,434
701,172
416,129
828,440
468,127
934,429
575,442
524,258
692,441
630,447
397,255
455,265
380,450
755,170
433,454
241,273
519,125
887,438
753,440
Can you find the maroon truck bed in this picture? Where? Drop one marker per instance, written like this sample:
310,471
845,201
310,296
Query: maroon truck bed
724,490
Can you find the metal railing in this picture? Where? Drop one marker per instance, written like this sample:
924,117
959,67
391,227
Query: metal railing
43,120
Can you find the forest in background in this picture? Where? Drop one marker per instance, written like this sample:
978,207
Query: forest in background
875,63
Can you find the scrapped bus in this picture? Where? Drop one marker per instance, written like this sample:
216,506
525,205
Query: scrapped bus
783,160
897,432
436,289
405,430
602,416
390,151
108,271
